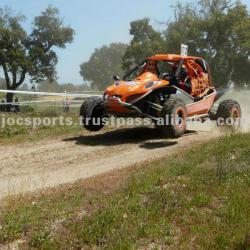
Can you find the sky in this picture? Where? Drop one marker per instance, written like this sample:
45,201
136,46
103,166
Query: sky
96,23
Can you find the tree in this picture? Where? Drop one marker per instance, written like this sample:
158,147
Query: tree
218,30
54,86
22,54
103,64
145,42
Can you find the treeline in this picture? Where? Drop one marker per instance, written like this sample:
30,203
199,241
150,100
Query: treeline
46,86
218,30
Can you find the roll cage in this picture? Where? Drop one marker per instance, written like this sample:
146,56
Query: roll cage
171,59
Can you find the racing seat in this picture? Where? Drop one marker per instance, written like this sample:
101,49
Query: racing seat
199,79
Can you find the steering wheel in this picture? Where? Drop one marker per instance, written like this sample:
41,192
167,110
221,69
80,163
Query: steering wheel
171,78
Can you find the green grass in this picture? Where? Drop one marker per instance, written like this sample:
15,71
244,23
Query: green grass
21,133
200,200
50,107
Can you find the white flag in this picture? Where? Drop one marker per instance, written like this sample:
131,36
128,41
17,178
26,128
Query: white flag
184,49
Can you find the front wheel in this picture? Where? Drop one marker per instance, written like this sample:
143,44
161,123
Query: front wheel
92,114
174,116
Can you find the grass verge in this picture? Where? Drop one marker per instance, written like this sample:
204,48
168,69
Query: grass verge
32,132
198,199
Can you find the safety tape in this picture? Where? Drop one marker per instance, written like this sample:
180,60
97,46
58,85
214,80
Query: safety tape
42,101
84,92
48,93
56,105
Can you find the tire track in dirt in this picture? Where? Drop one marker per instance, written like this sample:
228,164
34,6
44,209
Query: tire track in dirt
31,166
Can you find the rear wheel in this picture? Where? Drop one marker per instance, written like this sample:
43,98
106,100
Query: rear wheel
228,113
92,114
174,116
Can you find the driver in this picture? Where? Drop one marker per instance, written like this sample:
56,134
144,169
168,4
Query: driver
183,82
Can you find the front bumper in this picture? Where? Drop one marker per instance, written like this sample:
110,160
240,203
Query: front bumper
115,104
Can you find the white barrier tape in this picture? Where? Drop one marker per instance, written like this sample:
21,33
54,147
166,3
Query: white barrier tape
44,101
46,93
84,92
56,105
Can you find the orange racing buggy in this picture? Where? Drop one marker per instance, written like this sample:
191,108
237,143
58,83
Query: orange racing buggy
167,86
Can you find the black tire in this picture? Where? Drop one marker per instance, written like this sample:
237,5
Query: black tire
174,109
212,115
91,114
228,109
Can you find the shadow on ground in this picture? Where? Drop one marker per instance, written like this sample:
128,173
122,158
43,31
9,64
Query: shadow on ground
124,136
154,145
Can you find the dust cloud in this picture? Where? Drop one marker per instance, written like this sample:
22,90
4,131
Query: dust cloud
243,97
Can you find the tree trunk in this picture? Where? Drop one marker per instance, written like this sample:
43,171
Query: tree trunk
9,99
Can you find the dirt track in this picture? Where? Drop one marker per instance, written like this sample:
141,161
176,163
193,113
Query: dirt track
30,166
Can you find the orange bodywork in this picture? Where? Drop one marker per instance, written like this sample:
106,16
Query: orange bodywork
201,107
127,90
173,57
130,91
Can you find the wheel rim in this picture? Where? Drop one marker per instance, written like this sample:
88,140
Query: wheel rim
235,113
180,118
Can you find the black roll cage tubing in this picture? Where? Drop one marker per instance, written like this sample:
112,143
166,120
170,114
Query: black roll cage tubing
134,69
177,73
